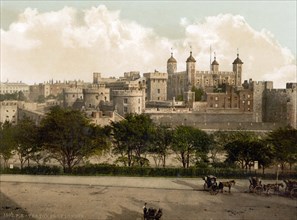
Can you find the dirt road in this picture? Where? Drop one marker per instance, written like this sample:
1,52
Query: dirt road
122,198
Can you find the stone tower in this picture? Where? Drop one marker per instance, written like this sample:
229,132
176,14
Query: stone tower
171,65
237,69
96,78
215,65
191,69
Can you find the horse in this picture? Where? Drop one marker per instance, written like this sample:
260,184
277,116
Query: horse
226,184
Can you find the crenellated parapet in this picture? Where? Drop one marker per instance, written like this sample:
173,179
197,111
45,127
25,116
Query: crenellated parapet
133,93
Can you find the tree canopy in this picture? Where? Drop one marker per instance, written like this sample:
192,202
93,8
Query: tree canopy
68,136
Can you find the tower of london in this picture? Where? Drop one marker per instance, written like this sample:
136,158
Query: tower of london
181,82
227,101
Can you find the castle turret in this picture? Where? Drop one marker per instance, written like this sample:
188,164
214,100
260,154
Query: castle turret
215,65
191,69
237,69
171,65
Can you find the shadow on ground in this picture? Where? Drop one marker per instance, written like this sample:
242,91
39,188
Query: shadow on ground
193,186
126,214
11,210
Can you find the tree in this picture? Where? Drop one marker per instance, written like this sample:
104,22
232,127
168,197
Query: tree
41,99
131,139
162,140
7,142
198,93
26,140
246,147
188,142
218,140
240,148
21,96
68,136
284,141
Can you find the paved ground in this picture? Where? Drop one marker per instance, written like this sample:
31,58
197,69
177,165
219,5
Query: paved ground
121,198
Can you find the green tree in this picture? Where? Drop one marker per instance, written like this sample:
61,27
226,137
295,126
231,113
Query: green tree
162,140
21,96
284,141
26,140
7,142
68,136
218,141
41,99
132,138
239,148
246,147
198,93
188,142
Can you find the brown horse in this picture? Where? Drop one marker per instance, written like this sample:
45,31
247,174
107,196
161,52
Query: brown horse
226,184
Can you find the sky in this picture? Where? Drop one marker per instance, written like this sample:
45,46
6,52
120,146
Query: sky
69,40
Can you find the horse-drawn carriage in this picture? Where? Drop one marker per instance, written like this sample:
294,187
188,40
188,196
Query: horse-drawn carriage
214,187
211,184
152,213
291,188
255,185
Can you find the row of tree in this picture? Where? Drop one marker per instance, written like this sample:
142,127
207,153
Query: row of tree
69,137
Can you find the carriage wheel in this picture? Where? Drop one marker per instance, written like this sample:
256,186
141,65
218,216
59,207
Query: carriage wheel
214,190
251,188
258,190
293,193
270,191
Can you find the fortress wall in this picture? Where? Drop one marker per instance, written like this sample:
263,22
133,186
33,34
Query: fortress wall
214,121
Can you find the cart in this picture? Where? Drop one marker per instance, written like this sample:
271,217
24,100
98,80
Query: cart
255,185
211,184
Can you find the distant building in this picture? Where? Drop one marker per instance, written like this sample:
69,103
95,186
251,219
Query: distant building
10,88
9,111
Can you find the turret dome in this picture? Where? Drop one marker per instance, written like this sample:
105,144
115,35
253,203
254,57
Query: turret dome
191,58
171,59
237,60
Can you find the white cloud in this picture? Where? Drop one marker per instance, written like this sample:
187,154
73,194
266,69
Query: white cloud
59,45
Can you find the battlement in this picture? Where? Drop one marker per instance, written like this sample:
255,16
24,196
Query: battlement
218,73
133,92
94,90
291,85
72,90
156,75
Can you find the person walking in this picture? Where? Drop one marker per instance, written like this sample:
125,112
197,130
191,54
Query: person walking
144,211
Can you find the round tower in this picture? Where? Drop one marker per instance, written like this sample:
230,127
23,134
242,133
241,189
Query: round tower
215,65
171,65
237,69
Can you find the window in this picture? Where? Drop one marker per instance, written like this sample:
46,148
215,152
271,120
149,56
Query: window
216,98
158,91
249,102
216,105
125,100
125,109
139,101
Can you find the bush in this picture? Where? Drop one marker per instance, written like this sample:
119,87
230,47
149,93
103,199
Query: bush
113,170
34,170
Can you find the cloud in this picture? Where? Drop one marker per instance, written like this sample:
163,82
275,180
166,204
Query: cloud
264,58
64,45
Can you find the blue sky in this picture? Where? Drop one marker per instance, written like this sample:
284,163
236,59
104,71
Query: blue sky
112,37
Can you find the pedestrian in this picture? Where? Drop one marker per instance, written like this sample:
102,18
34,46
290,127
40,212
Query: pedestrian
144,211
